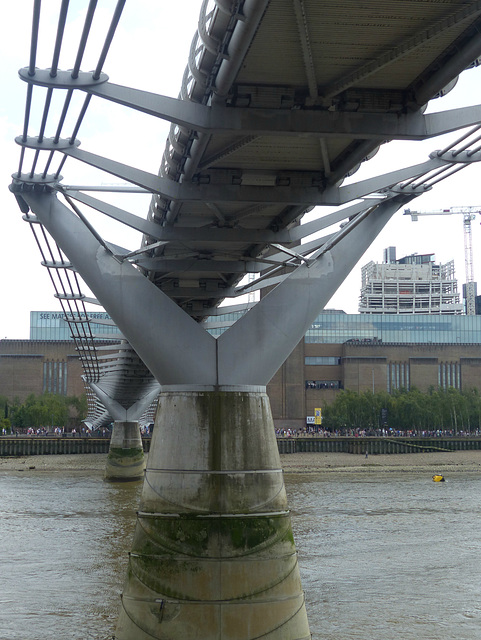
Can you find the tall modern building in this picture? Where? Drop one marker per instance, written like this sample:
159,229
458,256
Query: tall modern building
414,284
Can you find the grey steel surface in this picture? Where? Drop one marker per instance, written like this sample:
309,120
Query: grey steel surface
280,102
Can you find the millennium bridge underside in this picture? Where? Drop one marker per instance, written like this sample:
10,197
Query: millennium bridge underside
280,103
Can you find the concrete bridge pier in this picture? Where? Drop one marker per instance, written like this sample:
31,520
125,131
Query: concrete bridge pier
125,460
213,556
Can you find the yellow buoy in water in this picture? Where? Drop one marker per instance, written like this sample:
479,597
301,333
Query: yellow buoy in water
438,478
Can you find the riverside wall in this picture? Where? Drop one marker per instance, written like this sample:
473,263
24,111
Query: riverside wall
377,445
44,445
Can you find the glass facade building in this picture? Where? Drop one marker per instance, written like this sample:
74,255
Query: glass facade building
339,327
216,325
51,325
330,327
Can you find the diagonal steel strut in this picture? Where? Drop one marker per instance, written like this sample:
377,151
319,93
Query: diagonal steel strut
179,351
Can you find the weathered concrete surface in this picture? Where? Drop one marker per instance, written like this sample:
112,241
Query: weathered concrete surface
125,460
213,556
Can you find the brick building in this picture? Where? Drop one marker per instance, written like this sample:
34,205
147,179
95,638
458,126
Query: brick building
339,351
39,366
314,373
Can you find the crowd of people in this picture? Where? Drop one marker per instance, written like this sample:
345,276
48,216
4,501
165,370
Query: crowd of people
282,432
79,432
318,431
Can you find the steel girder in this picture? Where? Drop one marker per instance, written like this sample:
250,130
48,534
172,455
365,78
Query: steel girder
269,122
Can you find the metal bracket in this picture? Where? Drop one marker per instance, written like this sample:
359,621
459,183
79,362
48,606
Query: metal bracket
62,79
20,180
462,157
46,144
408,189
292,253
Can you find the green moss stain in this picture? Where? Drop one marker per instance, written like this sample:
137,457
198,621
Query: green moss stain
177,535
213,537
228,419
251,534
181,562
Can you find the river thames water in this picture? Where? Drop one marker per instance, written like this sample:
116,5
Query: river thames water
382,556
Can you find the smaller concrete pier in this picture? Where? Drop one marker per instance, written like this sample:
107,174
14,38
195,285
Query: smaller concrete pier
125,461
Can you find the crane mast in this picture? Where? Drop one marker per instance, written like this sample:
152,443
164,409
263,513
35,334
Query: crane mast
469,214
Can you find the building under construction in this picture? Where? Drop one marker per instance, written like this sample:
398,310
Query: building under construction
413,284
471,300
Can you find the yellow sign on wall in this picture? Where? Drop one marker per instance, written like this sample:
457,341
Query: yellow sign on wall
317,416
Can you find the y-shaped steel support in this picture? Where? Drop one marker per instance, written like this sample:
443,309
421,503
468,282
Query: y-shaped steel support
175,348
213,556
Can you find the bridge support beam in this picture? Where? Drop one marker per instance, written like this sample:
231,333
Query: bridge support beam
125,460
213,556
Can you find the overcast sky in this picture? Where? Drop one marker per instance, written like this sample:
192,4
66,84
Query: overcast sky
150,52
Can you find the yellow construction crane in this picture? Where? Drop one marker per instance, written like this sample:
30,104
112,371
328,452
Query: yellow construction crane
469,214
